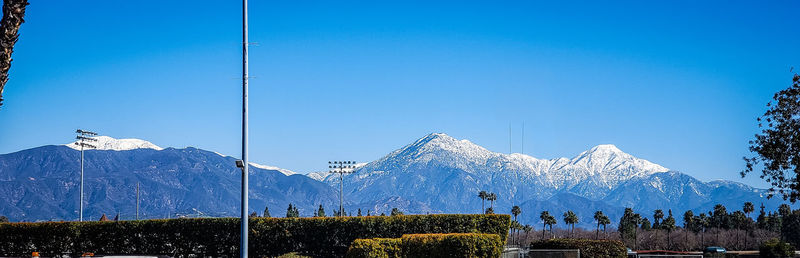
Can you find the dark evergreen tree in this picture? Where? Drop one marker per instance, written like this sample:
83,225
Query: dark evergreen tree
761,222
790,228
320,211
266,212
628,225
777,146
396,212
359,212
646,226
669,226
784,210
3,219
292,212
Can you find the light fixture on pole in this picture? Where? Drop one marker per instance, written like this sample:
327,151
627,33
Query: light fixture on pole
341,168
84,138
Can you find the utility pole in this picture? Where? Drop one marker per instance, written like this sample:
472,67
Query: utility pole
137,200
339,167
244,163
84,137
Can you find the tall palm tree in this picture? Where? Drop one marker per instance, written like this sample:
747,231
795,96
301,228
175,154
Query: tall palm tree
570,219
543,216
551,220
13,17
688,224
515,211
598,216
605,221
657,216
483,195
492,197
747,209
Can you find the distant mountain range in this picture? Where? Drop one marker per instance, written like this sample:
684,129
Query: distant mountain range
435,174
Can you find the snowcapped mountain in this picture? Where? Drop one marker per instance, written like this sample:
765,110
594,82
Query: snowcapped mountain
434,174
439,173
108,143
591,174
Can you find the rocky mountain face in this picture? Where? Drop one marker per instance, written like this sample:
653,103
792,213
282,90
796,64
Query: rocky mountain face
435,174
43,184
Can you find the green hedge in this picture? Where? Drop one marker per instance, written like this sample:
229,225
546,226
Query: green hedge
452,245
220,236
588,247
776,248
375,248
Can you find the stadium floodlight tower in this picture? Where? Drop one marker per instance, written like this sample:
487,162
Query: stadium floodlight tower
341,168
84,140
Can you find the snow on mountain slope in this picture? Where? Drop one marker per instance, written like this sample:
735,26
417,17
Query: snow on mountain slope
108,143
283,171
591,174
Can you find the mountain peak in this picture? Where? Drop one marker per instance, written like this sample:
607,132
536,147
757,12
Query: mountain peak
605,148
109,143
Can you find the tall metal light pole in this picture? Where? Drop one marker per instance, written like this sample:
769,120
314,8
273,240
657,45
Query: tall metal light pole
137,200
84,137
339,168
243,244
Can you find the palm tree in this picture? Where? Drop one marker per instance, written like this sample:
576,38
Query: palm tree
598,215
702,221
13,17
747,209
551,220
527,228
483,195
570,219
669,225
492,197
515,211
547,220
543,216
688,223
604,220
657,216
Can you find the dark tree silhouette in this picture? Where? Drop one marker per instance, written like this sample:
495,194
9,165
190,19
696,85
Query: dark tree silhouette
777,146
13,17
266,212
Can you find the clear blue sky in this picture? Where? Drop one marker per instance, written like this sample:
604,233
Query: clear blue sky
677,82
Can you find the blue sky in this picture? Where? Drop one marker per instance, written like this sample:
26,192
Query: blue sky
679,83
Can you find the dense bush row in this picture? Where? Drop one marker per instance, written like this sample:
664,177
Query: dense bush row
429,245
589,248
452,245
220,236
375,248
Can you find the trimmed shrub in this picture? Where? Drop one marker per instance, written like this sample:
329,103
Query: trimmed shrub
219,237
452,245
376,247
776,248
588,247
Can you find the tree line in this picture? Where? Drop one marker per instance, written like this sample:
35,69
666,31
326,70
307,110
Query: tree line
736,230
